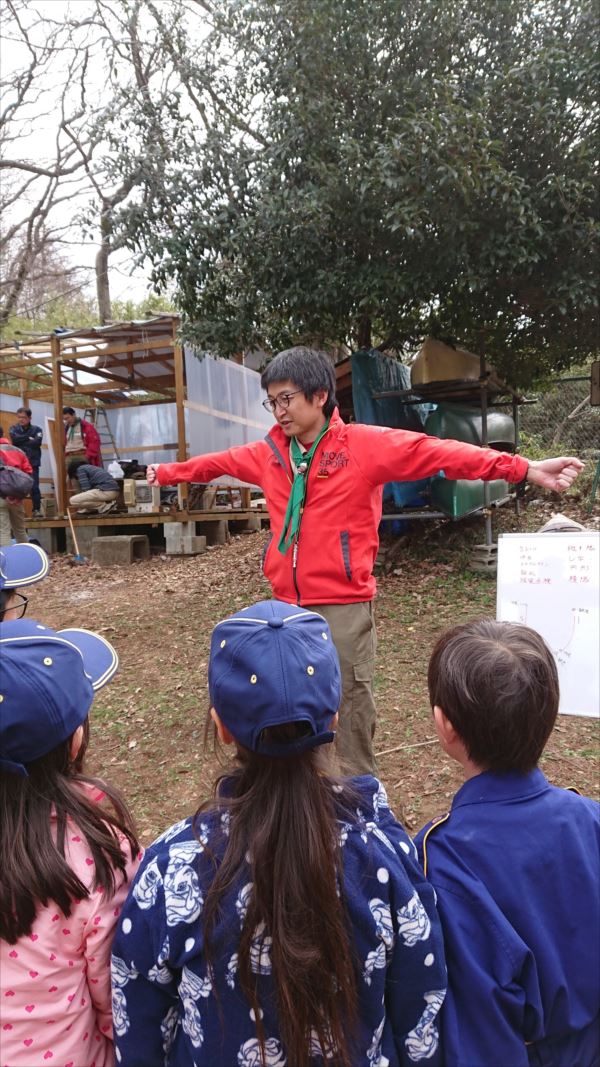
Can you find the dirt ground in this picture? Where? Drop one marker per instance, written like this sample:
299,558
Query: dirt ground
148,725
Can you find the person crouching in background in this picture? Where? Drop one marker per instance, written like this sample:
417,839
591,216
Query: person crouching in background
99,490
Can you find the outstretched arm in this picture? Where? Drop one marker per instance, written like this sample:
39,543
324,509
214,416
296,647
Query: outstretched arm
245,462
557,474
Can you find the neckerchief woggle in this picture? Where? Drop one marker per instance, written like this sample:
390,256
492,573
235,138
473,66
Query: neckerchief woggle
301,462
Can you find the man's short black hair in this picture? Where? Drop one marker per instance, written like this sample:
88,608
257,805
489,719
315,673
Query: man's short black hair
24,411
74,466
68,411
497,684
308,368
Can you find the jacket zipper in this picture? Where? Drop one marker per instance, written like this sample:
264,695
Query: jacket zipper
295,546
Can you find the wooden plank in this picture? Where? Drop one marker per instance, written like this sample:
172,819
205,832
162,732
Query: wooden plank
7,367
204,410
28,376
180,402
59,447
595,384
151,518
94,350
149,448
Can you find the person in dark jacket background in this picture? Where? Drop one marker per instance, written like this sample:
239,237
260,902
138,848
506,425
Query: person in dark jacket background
99,490
28,438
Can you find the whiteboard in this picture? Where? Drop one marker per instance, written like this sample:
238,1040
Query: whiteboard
551,582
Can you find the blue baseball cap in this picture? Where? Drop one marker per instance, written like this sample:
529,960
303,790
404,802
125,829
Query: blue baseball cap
22,565
47,683
274,663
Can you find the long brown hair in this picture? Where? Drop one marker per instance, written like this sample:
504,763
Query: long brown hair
32,861
283,816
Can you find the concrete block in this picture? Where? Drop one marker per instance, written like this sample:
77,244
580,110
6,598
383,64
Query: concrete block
193,546
85,535
484,558
249,525
216,533
181,539
47,536
120,550
174,533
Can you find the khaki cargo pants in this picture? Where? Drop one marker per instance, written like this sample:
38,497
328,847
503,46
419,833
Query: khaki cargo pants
353,629
12,518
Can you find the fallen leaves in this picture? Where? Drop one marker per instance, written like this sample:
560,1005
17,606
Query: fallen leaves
147,726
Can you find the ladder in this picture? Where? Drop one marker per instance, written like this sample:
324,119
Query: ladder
99,419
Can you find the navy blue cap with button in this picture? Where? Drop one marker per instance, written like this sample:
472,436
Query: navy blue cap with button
47,683
275,663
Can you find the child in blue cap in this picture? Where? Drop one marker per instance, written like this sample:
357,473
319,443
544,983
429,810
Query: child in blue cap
20,566
66,859
515,863
288,921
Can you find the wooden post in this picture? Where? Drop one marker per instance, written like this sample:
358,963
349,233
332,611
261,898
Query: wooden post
59,447
180,404
483,385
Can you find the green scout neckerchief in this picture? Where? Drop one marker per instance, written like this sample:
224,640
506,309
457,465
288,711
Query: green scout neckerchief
301,462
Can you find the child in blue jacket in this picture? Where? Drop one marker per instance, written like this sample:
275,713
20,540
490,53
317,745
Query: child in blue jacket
515,863
288,921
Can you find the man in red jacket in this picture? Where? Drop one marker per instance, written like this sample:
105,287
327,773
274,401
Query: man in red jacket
82,440
323,482
12,512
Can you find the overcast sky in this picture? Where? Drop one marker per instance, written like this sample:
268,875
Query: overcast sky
36,143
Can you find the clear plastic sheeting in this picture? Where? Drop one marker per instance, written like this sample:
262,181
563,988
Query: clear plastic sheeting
40,411
223,408
224,404
142,433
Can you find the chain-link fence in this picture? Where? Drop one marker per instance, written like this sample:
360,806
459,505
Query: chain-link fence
563,417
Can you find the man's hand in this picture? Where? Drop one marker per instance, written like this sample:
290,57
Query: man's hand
557,474
13,500
151,470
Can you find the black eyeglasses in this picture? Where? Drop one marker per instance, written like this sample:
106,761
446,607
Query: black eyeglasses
282,399
19,608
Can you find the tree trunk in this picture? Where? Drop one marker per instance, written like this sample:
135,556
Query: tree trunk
102,284
364,332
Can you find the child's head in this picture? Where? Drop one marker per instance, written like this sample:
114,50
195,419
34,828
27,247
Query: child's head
274,678
309,369
274,682
47,685
497,685
20,565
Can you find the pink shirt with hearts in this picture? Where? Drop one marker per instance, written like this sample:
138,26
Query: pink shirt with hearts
55,982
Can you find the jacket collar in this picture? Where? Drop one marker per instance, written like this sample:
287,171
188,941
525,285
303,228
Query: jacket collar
491,787
279,443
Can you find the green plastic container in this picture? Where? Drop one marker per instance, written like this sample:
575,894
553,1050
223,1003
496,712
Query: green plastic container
463,423
460,498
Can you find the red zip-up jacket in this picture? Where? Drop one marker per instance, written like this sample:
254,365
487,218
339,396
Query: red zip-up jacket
91,442
13,457
338,541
